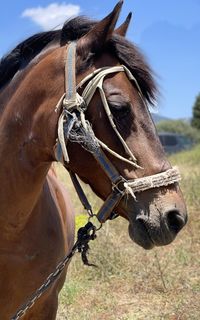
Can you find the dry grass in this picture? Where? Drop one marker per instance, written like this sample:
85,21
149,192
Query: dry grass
133,284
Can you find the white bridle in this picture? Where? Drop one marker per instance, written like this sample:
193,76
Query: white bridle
71,103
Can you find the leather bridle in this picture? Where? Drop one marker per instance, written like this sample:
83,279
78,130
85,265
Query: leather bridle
73,126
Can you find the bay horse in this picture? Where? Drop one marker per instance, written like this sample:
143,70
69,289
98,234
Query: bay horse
36,216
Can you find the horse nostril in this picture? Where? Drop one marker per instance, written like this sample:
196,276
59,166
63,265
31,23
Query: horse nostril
174,220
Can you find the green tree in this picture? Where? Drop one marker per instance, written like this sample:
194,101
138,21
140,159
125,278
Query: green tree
196,113
180,127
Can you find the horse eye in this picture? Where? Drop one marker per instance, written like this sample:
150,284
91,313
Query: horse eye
119,111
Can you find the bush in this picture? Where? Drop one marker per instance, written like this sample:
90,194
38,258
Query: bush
196,113
180,127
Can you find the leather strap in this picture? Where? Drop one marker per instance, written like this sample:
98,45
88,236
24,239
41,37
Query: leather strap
70,75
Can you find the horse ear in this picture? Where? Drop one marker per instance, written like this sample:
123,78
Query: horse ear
122,30
100,33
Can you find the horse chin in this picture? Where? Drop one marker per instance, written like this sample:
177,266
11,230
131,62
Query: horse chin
141,236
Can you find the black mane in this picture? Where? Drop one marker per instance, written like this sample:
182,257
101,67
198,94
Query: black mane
72,30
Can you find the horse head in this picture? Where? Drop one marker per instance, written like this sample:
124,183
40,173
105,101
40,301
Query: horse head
157,214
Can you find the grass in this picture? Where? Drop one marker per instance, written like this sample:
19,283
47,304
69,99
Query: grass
131,283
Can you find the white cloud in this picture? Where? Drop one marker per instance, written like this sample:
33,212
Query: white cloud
51,16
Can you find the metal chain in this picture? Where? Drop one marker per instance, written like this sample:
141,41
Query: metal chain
50,279
85,234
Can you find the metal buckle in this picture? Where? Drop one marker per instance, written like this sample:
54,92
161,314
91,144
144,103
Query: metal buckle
119,185
93,218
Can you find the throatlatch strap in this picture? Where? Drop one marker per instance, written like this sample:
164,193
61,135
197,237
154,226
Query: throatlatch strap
80,192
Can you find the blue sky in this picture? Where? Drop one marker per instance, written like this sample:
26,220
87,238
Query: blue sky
167,31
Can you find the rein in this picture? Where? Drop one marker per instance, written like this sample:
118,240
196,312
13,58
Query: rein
73,126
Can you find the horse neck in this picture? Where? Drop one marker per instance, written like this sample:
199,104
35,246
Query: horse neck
28,132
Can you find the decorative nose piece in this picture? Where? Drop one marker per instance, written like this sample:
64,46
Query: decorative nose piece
174,220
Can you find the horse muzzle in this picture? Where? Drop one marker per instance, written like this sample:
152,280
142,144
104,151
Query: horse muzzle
157,222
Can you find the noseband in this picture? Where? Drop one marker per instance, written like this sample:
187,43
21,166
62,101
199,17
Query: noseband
73,126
